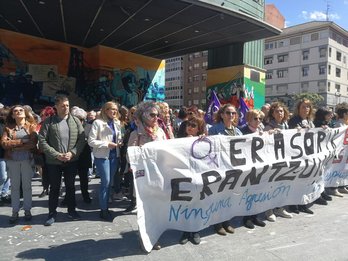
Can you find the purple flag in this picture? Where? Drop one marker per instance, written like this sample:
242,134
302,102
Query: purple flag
243,108
213,107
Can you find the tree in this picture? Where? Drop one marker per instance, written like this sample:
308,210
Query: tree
315,98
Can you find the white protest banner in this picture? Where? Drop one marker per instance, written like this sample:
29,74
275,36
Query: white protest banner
189,184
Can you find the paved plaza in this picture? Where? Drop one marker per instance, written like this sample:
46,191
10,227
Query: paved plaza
322,236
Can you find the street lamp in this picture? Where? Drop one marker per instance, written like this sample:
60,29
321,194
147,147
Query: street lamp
338,95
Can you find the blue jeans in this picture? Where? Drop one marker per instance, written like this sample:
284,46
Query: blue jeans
106,169
4,179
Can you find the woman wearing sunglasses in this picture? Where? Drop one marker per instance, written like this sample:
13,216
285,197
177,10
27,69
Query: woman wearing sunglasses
226,120
18,140
146,119
254,124
194,127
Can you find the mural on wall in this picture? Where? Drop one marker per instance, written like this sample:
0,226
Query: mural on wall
79,72
244,82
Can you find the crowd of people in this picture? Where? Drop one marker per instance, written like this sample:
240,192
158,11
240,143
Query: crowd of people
63,142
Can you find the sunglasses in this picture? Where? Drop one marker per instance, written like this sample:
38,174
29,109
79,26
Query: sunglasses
153,115
192,125
19,110
230,112
257,118
190,113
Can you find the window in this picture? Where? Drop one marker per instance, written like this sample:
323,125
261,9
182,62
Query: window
268,91
322,52
205,53
196,66
269,75
195,89
282,88
190,57
282,73
314,37
328,86
195,102
197,54
196,78
204,88
329,69
204,76
322,86
338,56
190,68
322,69
269,46
282,58
305,71
189,79
280,44
305,54
268,60
338,87
330,51
295,40
306,38
204,65
189,91
338,72
304,87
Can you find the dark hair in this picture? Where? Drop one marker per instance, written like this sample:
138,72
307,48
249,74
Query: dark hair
200,124
60,98
320,115
341,109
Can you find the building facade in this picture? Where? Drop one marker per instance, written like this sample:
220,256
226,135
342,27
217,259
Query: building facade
174,81
310,57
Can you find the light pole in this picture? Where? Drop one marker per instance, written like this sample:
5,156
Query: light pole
337,95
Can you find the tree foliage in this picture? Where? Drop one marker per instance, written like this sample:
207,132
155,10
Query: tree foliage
315,98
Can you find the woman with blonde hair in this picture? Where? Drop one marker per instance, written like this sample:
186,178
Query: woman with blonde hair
18,140
105,139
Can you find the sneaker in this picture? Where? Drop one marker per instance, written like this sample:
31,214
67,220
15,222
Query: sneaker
6,199
258,222
119,196
14,218
43,193
50,219
270,215
27,215
248,223
281,212
184,238
305,209
73,215
228,228
220,230
106,215
334,192
157,246
326,196
131,210
294,209
196,238
343,190
320,201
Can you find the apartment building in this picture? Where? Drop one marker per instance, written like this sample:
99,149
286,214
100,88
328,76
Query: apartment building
310,57
186,78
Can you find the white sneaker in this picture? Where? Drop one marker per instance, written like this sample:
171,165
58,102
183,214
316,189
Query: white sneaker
343,190
270,215
281,212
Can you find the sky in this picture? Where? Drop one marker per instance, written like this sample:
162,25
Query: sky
301,11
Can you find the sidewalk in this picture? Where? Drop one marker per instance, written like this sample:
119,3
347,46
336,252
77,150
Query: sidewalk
322,236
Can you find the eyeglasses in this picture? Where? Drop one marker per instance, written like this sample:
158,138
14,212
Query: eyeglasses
190,113
192,125
153,115
18,110
257,119
230,112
